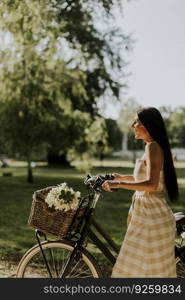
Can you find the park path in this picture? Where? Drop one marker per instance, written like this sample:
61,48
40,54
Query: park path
7,269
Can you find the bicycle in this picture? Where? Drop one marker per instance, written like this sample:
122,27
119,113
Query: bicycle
69,258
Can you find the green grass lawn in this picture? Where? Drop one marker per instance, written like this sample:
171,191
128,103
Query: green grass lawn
16,197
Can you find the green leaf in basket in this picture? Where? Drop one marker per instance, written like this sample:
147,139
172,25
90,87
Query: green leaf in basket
66,196
62,194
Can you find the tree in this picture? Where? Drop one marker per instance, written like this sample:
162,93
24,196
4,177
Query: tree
99,48
126,118
41,86
31,116
99,45
167,113
134,144
114,135
177,127
90,141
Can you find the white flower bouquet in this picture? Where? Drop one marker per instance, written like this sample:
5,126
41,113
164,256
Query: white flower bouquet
63,198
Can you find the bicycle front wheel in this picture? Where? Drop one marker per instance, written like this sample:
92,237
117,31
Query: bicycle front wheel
56,254
180,257
180,268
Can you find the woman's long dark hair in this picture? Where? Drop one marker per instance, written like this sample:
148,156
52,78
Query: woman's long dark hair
151,118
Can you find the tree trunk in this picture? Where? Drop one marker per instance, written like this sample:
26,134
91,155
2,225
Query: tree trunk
134,156
30,173
125,142
54,158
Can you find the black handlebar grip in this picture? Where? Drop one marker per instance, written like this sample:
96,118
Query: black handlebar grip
114,190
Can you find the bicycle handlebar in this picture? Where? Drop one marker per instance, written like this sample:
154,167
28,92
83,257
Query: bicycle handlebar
95,181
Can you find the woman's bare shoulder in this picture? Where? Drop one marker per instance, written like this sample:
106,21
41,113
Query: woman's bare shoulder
153,146
155,151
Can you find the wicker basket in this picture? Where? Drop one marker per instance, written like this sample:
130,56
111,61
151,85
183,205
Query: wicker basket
53,222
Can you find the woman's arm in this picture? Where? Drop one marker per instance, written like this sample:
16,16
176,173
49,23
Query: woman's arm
154,160
119,177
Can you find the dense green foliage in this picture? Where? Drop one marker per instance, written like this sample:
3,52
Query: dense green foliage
55,65
114,135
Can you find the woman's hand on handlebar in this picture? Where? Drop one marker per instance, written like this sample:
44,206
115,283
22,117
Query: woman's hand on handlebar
109,186
116,176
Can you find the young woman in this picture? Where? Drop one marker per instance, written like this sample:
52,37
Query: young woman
148,246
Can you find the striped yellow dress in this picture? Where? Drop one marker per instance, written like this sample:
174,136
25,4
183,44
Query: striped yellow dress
148,247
